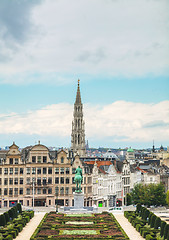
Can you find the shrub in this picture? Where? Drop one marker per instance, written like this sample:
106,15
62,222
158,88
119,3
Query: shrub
149,217
6,214
138,207
146,214
162,228
153,218
19,207
10,212
166,230
148,237
157,223
2,220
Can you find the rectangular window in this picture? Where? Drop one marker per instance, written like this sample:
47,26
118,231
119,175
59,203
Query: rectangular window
49,180
84,180
73,189
21,170
44,170
67,180
21,181
16,160
57,170
33,170
39,191
67,190
21,191
73,170
39,181
11,161
16,170
34,159
0,181
73,180
62,170
44,190
5,170
39,159
28,191
0,191
49,190
49,170
11,191
56,180
44,159
67,170
11,181
62,180
5,191
62,191
44,180
16,181
62,159
5,181
38,170
57,191
89,180
11,171
0,170
28,180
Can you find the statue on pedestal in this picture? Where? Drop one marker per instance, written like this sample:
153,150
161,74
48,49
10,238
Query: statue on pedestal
78,179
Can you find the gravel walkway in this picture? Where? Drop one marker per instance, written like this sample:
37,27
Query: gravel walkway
30,227
128,228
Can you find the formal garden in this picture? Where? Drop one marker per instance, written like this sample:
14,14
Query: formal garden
148,224
13,221
79,226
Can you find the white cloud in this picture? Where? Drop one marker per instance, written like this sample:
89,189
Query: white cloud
121,121
127,38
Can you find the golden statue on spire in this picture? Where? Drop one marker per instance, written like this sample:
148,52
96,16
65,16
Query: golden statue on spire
78,81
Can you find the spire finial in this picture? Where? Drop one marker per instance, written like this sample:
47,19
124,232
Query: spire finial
78,81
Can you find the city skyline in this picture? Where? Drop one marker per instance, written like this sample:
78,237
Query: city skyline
118,50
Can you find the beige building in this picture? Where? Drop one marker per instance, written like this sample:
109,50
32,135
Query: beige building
51,177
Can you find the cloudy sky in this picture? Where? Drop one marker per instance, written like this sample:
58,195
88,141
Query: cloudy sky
120,51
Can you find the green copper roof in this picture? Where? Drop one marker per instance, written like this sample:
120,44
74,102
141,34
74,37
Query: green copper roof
130,150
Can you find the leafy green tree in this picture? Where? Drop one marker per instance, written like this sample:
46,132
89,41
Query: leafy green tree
149,194
128,199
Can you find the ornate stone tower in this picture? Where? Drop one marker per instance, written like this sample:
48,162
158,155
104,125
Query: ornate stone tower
78,129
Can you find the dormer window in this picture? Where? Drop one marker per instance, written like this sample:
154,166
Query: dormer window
16,160
11,161
62,159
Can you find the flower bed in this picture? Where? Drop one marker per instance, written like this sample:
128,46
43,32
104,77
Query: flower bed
81,226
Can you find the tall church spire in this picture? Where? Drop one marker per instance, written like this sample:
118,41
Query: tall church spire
78,97
78,130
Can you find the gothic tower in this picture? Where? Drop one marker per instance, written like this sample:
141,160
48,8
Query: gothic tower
78,129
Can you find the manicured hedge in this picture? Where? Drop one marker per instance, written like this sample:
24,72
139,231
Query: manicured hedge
13,227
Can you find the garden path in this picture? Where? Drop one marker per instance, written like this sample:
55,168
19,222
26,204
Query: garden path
30,227
128,228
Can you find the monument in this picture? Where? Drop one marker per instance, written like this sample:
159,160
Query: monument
78,195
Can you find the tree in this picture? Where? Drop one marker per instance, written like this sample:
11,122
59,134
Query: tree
149,194
167,197
128,199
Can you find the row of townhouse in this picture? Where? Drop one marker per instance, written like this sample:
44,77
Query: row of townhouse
40,177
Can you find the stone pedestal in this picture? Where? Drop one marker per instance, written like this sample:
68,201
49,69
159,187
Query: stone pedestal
78,200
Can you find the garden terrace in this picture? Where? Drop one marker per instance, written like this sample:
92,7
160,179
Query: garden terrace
80,226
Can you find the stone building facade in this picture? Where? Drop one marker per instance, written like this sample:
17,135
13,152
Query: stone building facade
51,177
